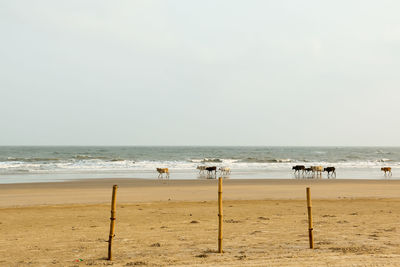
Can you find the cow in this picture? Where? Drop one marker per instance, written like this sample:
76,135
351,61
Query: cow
308,171
387,170
330,170
317,170
210,170
201,169
161,171
298,168
225,170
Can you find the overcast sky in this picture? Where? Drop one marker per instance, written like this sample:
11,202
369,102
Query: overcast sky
199,72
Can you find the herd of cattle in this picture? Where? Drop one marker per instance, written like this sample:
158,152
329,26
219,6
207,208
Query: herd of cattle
313,171
299,170
209,171
212,170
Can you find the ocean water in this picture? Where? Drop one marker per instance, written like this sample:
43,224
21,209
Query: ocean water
39,164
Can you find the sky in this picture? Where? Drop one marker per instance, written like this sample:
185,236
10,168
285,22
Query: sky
270,73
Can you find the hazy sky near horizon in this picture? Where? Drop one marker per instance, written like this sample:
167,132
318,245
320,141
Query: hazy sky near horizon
200,72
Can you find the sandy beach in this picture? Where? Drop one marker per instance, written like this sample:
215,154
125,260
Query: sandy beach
174,223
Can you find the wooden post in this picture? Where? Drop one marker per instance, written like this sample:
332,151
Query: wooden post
310,222
112,222
220,216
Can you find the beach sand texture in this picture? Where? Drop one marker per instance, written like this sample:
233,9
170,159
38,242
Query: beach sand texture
356,223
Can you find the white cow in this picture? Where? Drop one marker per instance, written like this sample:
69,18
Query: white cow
225,170
201,169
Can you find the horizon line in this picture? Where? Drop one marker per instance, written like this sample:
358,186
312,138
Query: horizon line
199,145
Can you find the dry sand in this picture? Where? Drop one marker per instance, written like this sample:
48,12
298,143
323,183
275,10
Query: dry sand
356,223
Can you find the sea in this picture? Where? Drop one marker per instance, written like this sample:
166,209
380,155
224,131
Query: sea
26,164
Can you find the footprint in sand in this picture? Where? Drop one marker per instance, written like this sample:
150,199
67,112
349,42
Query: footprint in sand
231,221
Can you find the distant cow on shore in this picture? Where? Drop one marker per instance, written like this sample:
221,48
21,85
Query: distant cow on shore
161,172
210,170
298,168
225,170
307,171
201,169
330,170
317,170
387,170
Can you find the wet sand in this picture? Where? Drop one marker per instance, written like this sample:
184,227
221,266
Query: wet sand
92,191
159,223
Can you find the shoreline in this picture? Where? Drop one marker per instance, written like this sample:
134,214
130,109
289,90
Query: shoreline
135,190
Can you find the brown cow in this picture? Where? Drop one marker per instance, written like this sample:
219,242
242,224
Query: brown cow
317,170
161,171
387,170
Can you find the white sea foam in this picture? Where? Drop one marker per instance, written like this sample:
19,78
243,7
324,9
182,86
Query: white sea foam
98,165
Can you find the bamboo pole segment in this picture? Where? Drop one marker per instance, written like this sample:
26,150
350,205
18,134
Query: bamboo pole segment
220,215
112,221
310,222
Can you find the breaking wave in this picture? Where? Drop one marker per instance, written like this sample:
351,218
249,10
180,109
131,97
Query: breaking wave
16,160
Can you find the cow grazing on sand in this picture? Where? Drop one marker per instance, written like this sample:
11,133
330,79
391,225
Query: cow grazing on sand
225,170
162,171
387,170
330,170
317,170
298,168
201,169
210,171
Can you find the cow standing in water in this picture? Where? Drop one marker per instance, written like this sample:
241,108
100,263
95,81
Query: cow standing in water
210,170
317,171
387,170
330,170
161,172
201,169
225,170
298,168
308,172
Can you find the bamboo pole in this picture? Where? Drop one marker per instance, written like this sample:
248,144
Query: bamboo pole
112,221
220,215
310,222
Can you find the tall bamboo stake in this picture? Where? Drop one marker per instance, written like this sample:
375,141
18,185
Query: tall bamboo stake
220,215
310,222
112,221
